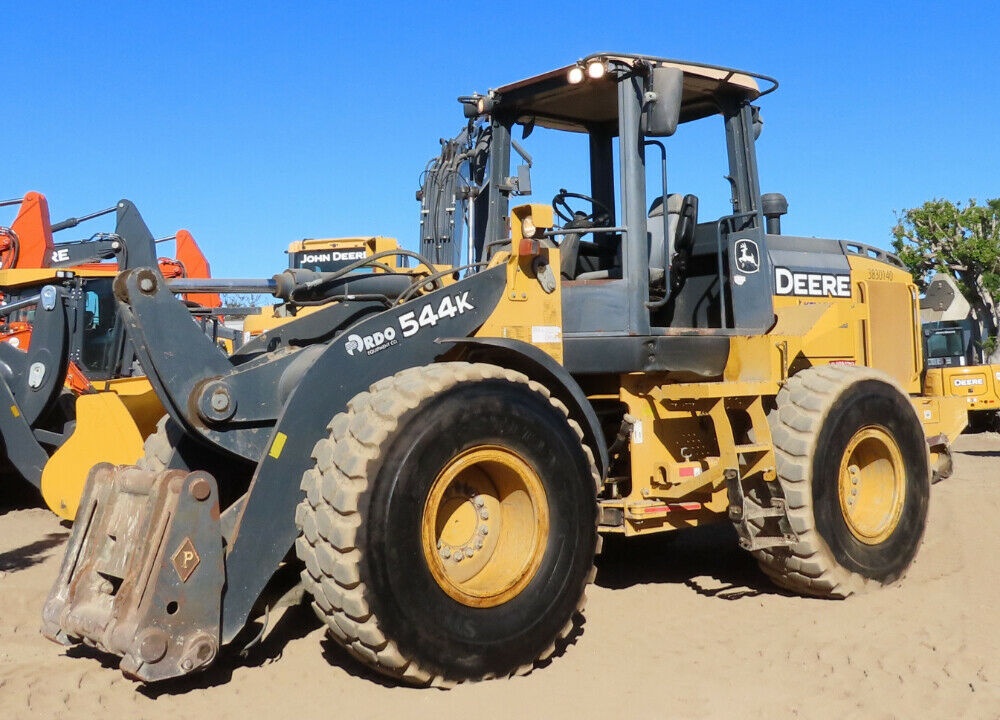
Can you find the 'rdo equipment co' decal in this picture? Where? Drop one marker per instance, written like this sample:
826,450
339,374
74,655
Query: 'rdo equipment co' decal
811,284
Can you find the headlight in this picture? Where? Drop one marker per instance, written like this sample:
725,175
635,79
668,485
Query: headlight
596,70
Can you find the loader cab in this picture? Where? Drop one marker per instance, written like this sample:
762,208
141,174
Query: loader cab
651,170
950,343
97,346
95,331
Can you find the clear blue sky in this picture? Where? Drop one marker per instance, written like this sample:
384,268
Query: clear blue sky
254,124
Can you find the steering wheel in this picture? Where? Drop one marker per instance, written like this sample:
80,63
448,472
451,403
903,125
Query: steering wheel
599,214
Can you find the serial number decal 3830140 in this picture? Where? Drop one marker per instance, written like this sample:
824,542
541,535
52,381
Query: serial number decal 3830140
880,274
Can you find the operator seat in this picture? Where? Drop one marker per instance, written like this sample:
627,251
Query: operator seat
687,222
682,218
660,244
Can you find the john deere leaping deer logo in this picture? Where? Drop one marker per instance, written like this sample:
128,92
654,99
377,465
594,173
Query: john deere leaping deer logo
747,256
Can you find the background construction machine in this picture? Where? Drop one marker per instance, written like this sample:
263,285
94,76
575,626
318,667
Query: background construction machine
330,255
953,351
27,242
444,452
67,370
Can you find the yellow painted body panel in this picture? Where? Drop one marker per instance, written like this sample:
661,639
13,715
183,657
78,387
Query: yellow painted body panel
139,399
107,430
942,416
878,326
688,436
977,385
819,331
26,277
529,311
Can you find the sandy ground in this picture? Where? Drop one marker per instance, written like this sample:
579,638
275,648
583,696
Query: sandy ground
682,626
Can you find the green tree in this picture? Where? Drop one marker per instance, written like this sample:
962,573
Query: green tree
942,236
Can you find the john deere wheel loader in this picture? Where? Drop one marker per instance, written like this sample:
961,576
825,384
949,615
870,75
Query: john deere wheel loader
444,453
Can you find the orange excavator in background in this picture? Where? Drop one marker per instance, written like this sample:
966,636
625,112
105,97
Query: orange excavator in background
29,243
28,240
67,367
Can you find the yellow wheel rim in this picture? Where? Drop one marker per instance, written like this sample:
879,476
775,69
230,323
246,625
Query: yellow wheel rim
484,526
872,485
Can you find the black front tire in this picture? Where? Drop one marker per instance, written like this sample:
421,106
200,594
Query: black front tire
449,461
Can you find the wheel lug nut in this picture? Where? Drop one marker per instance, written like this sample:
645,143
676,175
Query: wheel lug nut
478,501
483,530
445,552
484,514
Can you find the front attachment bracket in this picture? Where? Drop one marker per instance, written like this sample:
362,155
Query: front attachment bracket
143,573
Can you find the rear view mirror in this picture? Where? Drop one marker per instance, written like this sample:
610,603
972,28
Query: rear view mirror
524,180
758,122
662,102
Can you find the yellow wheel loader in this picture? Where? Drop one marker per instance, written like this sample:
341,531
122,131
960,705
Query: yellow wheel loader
72,394
444,452
953,353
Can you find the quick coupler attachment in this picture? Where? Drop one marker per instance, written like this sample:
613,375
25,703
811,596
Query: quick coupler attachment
143,572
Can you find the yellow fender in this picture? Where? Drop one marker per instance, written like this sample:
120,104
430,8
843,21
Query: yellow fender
105,432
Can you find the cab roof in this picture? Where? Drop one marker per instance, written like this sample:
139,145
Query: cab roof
552,100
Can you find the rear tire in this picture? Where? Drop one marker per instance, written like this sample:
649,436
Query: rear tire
854,468
450,524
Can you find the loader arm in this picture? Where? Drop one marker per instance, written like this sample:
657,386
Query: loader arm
31,380
229,403
264,526
190,574
37,375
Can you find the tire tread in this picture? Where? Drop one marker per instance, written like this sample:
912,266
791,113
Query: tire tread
329,517
803,404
